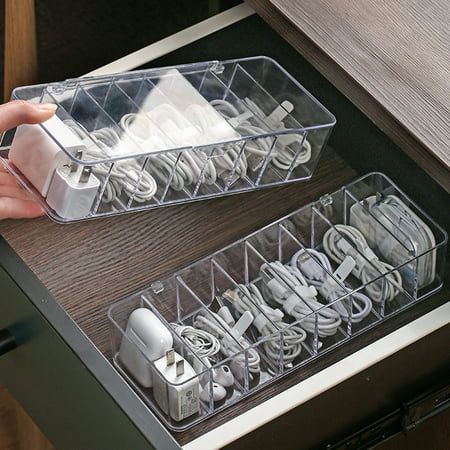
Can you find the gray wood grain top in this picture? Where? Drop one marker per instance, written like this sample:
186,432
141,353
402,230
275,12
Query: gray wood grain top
390,58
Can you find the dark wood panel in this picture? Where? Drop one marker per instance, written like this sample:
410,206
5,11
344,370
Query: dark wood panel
389,58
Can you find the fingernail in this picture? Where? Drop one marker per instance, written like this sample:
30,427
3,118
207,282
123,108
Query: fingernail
47,107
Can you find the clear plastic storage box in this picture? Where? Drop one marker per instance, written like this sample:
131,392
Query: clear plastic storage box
150,138
279,299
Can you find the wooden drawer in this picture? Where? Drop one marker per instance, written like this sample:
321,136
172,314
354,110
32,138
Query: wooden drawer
57,282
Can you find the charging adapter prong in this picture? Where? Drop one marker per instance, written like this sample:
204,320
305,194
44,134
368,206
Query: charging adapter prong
179,368
170,357
73,164
85,174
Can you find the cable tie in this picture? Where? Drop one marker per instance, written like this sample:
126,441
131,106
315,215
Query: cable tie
306,292
291,303
341,273
242,324
260,322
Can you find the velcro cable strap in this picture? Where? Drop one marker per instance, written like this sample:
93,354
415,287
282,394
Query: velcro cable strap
341,273
269,315
295,299
291,302
260,322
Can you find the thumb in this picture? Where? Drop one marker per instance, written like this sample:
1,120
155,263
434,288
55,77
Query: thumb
18,112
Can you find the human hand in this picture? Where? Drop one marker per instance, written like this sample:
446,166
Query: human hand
15,202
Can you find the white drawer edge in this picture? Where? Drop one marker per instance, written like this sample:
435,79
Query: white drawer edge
175,41
322,381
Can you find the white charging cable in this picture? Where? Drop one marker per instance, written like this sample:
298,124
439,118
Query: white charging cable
232,343
259,147
283,156
316,268
125,176
205,344
344,240
282,342
191,166
299,302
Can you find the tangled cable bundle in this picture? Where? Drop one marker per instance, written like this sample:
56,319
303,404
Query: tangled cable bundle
230,346
316,267
300,301
342,240
283,342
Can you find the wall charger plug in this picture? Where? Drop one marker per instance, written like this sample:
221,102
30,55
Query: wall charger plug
146,339
72,191
37,155
176,387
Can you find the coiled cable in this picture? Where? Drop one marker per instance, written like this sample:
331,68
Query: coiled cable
316,274
231,346
283,341
299,302
342,240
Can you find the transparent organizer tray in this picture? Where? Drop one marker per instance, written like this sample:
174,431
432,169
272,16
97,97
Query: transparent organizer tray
199,290
173,135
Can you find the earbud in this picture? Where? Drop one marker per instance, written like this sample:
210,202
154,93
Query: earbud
218,392
223,376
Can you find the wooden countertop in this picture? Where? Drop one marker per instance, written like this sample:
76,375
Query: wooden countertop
389,57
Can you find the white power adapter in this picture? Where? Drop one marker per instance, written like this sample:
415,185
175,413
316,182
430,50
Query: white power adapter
176,387
37,155
146,339
72,191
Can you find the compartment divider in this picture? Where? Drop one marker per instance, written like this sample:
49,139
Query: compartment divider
235,164
267,160
301,128
297,154
145,113
138,182
246,108
101,192
80,128
194,295
236,285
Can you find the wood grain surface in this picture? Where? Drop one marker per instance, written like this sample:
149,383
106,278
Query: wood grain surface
390,58
17,430
20,56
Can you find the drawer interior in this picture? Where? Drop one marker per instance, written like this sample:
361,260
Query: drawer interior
87,266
